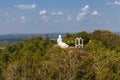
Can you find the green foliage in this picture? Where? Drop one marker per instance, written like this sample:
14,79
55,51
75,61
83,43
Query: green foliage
94,45
109,39
70,38
41,59
84,35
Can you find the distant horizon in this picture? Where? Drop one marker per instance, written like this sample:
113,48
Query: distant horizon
51,33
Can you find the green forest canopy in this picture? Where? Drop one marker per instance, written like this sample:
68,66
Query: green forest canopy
40,59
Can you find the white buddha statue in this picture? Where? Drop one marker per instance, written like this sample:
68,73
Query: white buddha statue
60,43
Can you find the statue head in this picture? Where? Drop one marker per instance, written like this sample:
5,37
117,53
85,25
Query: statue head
59,36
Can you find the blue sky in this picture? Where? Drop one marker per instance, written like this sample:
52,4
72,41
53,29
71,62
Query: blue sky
50,16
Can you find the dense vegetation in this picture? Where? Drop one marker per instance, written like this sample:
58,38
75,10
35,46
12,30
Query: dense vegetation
42,59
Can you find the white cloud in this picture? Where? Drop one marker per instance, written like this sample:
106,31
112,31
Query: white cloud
22,19
83,13
95,13
53,13
116,3
43,12
86,8
57,13
45,18
23,6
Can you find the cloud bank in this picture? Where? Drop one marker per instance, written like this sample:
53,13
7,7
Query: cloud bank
57,13
95,13
115,3
22,19
84,12
24,6
43,12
